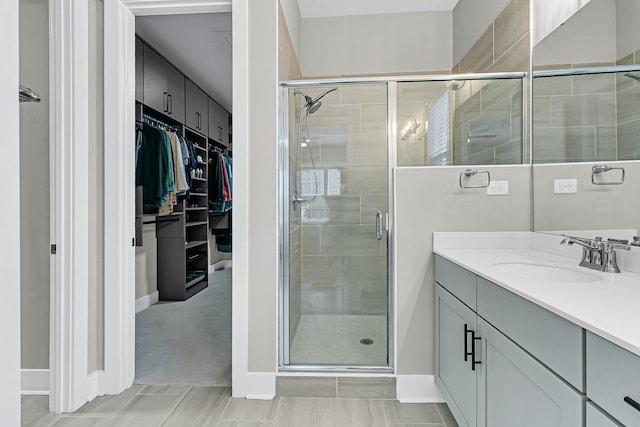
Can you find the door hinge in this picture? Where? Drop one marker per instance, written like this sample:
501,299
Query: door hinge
54,249
133,241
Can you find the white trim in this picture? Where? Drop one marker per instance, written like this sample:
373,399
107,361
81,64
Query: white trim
417,389
240,275
69,133
34,382
220,265
147,301
95,385
119,252
176,7
261,386
10,226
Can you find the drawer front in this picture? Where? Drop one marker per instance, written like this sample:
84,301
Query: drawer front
457,280
595,418
554,341
613,374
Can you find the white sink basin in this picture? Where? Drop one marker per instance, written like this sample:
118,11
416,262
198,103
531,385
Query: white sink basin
541,271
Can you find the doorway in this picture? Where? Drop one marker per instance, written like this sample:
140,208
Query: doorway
183,258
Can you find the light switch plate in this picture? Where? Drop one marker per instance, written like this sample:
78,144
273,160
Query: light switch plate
498,188
565,186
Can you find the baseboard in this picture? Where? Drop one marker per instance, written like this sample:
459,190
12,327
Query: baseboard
146,301
95,385
260,386
417,389
34,382
225,263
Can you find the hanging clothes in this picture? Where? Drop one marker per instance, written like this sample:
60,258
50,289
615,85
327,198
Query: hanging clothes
220,182
154,168
178,165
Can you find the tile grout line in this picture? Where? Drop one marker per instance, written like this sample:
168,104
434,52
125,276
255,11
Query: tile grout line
176,404
224,410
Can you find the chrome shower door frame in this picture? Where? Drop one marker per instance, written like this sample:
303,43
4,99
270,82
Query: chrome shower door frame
283,225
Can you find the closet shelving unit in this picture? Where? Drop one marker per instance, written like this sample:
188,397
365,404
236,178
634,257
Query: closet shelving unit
217,219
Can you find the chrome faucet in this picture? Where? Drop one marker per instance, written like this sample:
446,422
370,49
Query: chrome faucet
598,254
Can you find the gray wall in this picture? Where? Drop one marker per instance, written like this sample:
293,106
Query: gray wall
262,224
428,200
592,207
470,19
391,44
34,180
96,186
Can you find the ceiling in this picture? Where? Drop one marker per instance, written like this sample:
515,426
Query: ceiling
326,8
198,45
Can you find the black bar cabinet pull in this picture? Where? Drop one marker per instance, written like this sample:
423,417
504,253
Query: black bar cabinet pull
474,362
635,405
466,348
170,103
165,102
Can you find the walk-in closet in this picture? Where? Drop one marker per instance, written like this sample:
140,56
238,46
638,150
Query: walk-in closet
184,199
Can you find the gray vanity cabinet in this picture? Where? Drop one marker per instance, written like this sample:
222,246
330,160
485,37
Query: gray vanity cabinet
517,390
613,379
454,375
163,86
595,418
506,386
197,109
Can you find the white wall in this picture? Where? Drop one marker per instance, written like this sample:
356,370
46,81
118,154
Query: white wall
471,18
547,15
428,200
588,36
628,16
391,44
10,224
34,178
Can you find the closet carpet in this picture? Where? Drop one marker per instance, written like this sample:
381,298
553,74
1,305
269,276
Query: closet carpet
187,342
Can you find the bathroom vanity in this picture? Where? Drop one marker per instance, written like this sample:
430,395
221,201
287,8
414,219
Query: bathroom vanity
525,337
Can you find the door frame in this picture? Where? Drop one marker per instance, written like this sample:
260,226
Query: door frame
70,383
10,225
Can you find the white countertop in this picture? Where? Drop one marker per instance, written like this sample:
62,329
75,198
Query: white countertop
609,307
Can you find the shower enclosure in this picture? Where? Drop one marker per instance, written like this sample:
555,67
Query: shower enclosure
340,141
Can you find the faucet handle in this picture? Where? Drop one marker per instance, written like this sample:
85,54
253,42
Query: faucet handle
619,241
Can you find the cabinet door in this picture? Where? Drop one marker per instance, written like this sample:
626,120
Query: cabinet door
155,81
453,374
175,86
224,124
215,130
516,390
595,418
139,70
196,100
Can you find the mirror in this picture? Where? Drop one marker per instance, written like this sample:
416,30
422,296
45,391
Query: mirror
586,123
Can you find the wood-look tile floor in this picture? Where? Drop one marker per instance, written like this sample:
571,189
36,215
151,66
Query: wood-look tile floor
197,406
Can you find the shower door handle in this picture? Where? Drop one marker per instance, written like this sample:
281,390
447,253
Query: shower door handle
379,225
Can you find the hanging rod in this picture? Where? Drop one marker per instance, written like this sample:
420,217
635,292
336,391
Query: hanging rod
155,121
27,95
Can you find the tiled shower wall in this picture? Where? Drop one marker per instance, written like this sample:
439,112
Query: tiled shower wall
344,266
628,117
487,115
586,117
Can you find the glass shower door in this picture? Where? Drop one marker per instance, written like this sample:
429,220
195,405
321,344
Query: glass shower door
337,290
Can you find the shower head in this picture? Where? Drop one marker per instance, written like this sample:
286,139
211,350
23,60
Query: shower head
313,104
633,76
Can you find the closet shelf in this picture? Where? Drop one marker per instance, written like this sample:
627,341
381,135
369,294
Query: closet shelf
195,243
197,194
197,147
199,179
195,224
196,257
199,208
194,281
